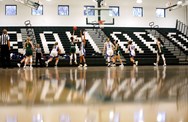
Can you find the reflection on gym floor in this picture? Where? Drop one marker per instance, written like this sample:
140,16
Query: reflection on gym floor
92,85
95,86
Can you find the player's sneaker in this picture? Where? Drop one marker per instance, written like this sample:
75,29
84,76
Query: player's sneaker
85,65
75,62
113,65
46,63
80,65
121,65
136,63
19,65
155,64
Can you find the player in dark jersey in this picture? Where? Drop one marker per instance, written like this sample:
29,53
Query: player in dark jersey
73,49
160,52
117,52
29,52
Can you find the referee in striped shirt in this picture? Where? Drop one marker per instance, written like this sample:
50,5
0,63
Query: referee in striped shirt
5,49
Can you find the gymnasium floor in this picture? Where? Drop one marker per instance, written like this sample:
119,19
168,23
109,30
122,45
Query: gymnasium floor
95,94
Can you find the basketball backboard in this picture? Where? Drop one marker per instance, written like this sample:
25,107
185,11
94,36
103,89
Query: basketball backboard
99,14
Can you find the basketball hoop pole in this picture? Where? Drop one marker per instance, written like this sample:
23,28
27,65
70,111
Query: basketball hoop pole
99,11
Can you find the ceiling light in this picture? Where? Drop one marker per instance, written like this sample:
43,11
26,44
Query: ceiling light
179,2
138,1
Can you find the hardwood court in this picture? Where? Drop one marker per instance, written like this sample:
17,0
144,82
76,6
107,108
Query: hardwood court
95,94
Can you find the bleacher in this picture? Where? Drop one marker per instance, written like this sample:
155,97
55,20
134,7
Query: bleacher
144,42
177,38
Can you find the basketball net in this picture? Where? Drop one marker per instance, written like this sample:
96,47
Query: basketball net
101,24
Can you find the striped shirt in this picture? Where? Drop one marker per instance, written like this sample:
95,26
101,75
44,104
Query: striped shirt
38,50
4,38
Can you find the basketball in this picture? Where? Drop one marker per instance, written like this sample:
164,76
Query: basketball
75,28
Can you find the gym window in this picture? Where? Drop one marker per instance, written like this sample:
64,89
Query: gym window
10,10
63,10
114,11
160,12
88,11
38,11
138,11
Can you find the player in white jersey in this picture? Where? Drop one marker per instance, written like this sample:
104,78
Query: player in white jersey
23,59
82,50
54,54
132,53
109,49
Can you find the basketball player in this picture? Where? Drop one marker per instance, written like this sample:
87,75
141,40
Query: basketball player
23,59
160,52
54,54
73,49
29,52
24,56
132,54
117,52
108,48
82,50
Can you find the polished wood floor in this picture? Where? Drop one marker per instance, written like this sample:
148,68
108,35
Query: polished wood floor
94,94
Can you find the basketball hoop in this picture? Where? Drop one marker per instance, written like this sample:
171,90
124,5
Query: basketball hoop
101,23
